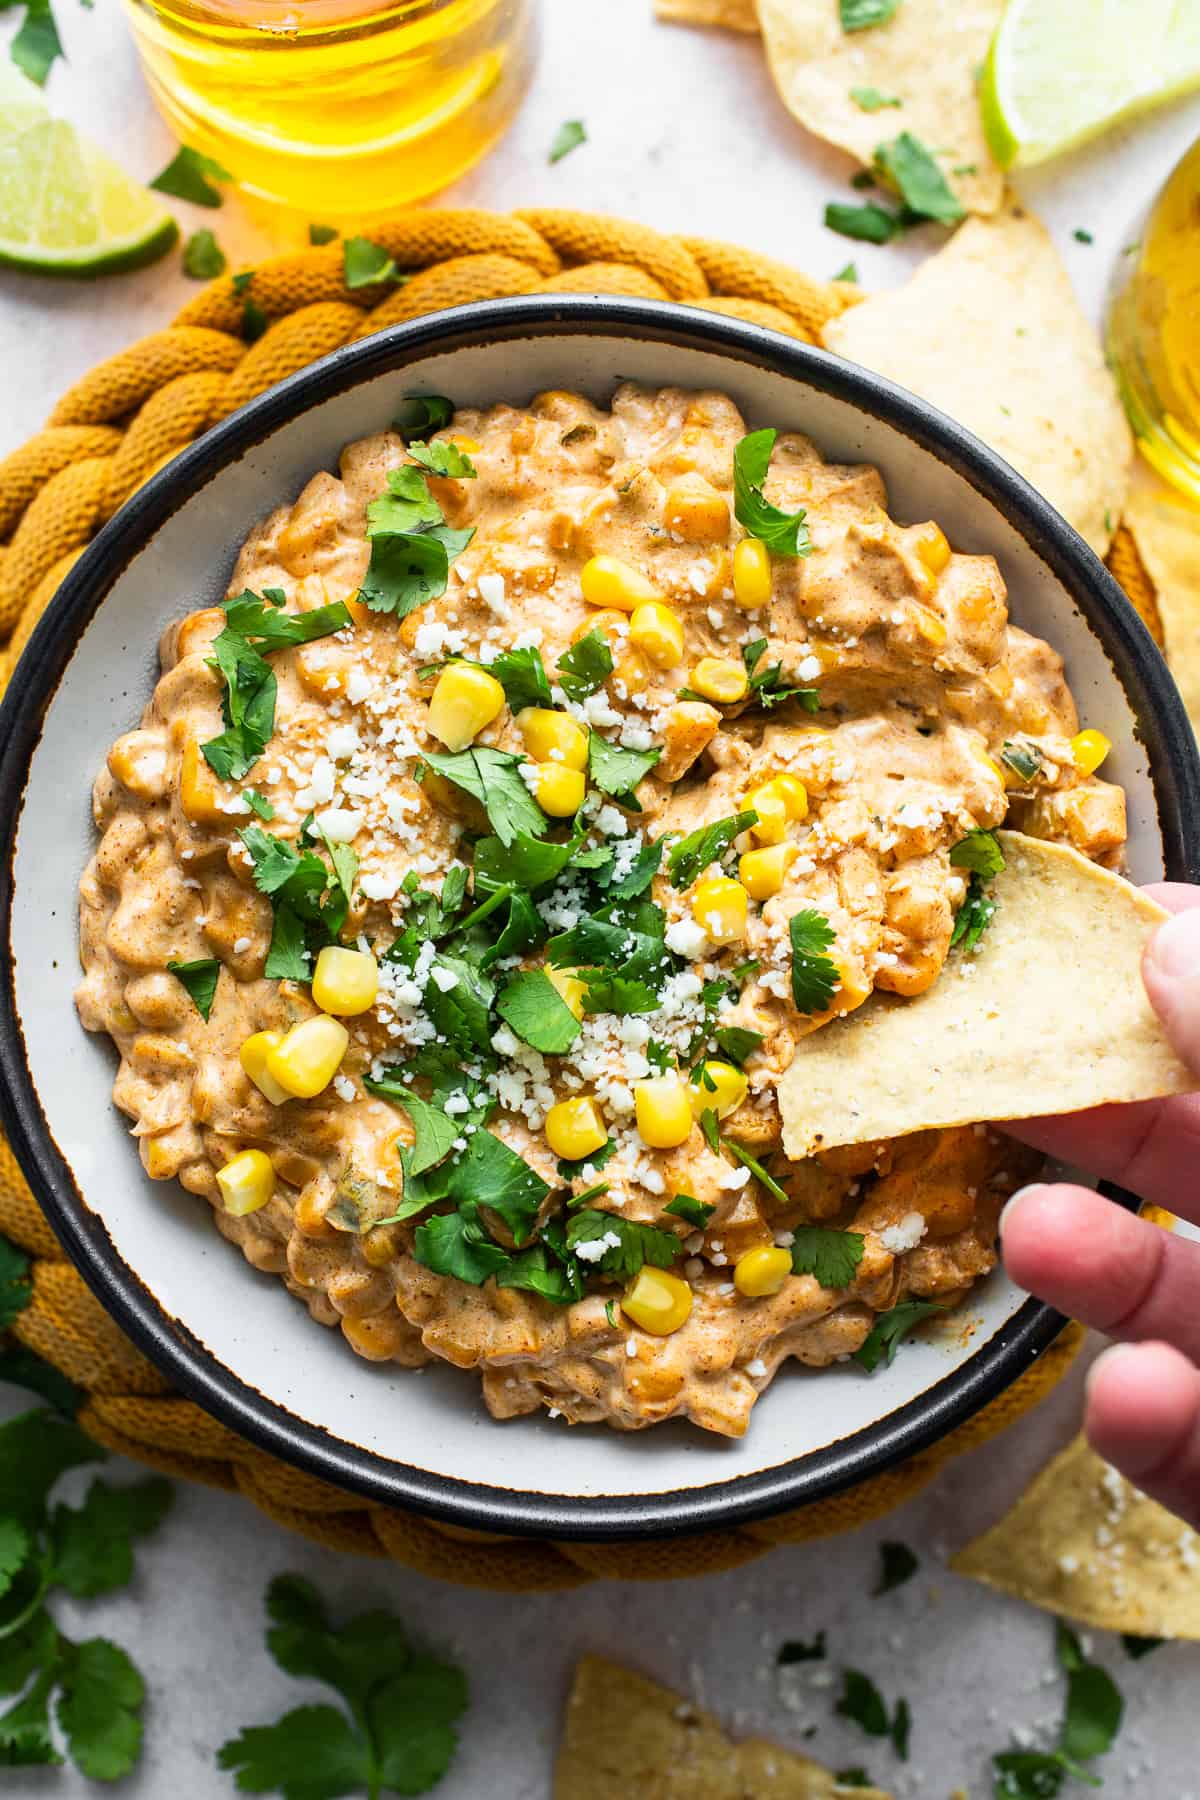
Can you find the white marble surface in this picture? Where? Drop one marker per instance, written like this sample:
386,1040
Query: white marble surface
686,134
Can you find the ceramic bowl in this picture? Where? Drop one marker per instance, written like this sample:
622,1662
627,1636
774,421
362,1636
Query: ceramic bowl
234,1339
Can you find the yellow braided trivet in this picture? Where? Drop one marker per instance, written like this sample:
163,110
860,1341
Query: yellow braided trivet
109,433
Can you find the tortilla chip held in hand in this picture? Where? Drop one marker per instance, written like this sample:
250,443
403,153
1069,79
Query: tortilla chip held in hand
990,331
625,1735
1047,1014
1082,1541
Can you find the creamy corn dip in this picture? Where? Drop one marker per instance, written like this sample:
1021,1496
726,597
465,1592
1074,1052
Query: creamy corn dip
476,868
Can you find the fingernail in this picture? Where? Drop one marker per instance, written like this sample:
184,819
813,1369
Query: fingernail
1175,947
1033,1187
1112,1353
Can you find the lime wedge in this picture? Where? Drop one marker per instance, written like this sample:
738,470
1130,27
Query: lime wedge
1059,71
65,207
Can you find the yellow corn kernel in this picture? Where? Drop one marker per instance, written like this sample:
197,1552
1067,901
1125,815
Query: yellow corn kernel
345,982
569,988
770,803
663,1111
932,548
463,701
471,445
307,1058
574,1128
696,512
795,796
1089,749
607,581
931,627
246,1183
721,907
721,679
761,1271
553,737
558,790
657,1301
751,574
253,1058
658,633
763,872
718,1087
201,796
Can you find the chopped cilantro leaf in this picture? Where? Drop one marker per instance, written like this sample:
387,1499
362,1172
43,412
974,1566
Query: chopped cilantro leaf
710,1126
585,667
434,1130
798,1650
258,804
638,876
411,545
610,1313
973,916
570,134
322,234
866,224
622,995
814,975
861,15
831,1257
757,1169
1025,760
1094,1704
443,457
532,1006
200,980
784,534
979,852
203,257
862,1701
523,862
869,99
1135,1647
848,272
421,414
689,858
364,262
1081,236
253,628
638,1244
458,999
886,1334
493,778
737,1042
522,675
617,771
310,900
189,176
855,1777
897,1564
767,686
911,169
696,1212
254,321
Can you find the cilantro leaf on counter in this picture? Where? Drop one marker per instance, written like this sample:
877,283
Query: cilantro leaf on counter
422,414
814,975
570,134
531,1005
869,99
203,257
1025,760
979,852
1091,1721
200,980
862,1701
92,1544
767,686
689,858
897,1564
861,15
869,223
493,778
189,176
686,1206
585,667
253,627
639,1243
784,534
365,262
617,771
16,1289
831,1257
21,1368
848,272
911,169
890,1328
800,1650
399,1732
1135,1647
443,457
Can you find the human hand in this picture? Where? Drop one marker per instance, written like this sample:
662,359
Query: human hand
1123,1275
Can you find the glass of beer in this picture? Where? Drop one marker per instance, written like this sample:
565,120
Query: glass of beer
1154,330
338,109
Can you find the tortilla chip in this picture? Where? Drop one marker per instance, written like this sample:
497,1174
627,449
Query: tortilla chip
1167,529
926,56
625,1735
734,15
989,330
1048,1015
1082,1541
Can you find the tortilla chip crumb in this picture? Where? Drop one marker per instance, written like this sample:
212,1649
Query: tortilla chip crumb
731,15
623,1734
1085,1543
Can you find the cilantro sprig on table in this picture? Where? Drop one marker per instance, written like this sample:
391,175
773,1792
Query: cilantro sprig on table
1091,1720
912,171
397,1732
862,1702
254,626
89,1688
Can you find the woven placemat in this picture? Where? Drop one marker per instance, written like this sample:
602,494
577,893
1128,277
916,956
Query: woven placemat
105,437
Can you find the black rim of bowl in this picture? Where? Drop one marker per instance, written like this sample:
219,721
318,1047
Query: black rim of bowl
1164,731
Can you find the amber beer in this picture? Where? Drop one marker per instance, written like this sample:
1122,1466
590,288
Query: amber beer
337,108
1154,330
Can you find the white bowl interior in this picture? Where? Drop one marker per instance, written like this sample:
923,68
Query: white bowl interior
436,1421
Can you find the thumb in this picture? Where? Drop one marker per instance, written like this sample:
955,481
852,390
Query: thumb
1171,971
